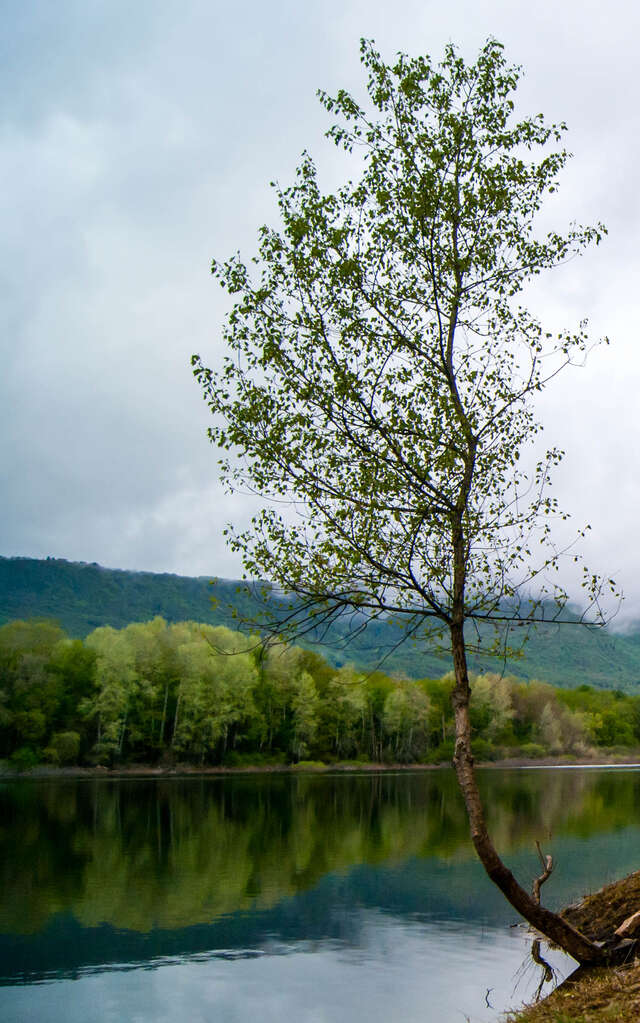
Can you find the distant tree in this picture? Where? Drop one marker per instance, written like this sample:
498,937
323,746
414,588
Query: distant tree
345,712
304,705
116,684
75,666
63,747
31,693
405,719
215,690
380,371
491,704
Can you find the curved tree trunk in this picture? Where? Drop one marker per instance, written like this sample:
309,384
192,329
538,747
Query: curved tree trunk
550,924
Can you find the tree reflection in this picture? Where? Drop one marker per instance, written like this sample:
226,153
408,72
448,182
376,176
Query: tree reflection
172,853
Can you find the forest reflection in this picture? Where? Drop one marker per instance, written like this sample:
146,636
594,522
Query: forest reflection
172,853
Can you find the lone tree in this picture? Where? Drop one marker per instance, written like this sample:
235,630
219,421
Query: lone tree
380,371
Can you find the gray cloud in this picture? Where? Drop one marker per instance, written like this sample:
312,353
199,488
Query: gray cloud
137,141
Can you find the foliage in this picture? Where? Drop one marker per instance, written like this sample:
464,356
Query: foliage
63,748
24,758
380,365
206,695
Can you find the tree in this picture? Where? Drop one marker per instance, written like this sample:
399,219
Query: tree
405,719
345,712
380,372
31,692
116,685
215,689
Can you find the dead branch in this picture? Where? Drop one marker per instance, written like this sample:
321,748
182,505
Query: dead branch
629,928
547,870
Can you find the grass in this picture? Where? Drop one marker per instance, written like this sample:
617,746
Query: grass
590,996
605,995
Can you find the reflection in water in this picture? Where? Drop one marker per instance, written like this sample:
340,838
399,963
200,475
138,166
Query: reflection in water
170,854
370,876
547,975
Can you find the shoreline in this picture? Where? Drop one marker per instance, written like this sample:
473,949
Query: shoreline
602,994
632,760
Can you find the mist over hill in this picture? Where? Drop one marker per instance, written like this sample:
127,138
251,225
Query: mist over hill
82,597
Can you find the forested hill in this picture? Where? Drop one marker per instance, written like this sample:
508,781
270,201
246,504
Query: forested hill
82,597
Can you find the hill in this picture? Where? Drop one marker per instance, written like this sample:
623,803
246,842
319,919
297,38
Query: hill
84,596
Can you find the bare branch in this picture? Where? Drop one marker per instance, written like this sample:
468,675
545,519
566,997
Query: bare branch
547,870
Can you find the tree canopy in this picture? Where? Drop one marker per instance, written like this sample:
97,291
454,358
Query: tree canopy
379,360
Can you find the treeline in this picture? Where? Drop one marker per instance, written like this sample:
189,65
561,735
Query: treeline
202,694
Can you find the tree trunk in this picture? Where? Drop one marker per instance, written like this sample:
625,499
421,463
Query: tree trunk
548,923
175,717
164,713
124,728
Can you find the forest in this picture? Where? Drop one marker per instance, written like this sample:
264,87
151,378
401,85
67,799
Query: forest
198,694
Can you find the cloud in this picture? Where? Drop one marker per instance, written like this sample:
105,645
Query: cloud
136,142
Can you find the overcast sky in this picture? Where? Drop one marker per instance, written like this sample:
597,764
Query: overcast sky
137,141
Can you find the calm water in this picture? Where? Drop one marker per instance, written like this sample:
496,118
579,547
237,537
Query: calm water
311,898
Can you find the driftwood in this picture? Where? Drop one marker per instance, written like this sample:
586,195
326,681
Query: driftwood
629,928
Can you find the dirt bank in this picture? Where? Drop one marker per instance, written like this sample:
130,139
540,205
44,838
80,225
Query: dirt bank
607,995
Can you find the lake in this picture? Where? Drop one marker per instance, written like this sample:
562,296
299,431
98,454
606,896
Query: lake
315,898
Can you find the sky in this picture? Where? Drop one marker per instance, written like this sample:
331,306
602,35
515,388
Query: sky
137,142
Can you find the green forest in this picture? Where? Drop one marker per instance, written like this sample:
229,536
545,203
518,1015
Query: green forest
198,694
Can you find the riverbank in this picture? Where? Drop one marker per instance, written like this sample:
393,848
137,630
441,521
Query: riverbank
597,996
612,759
605,995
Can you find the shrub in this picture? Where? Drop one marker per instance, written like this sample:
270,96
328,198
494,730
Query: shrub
63,748
482,749
441,754
532,750
24,758
235,759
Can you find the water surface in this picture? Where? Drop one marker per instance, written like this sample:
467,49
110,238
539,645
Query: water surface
315,898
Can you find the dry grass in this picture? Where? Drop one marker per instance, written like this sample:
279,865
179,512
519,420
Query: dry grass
598,915
607,995
594,996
